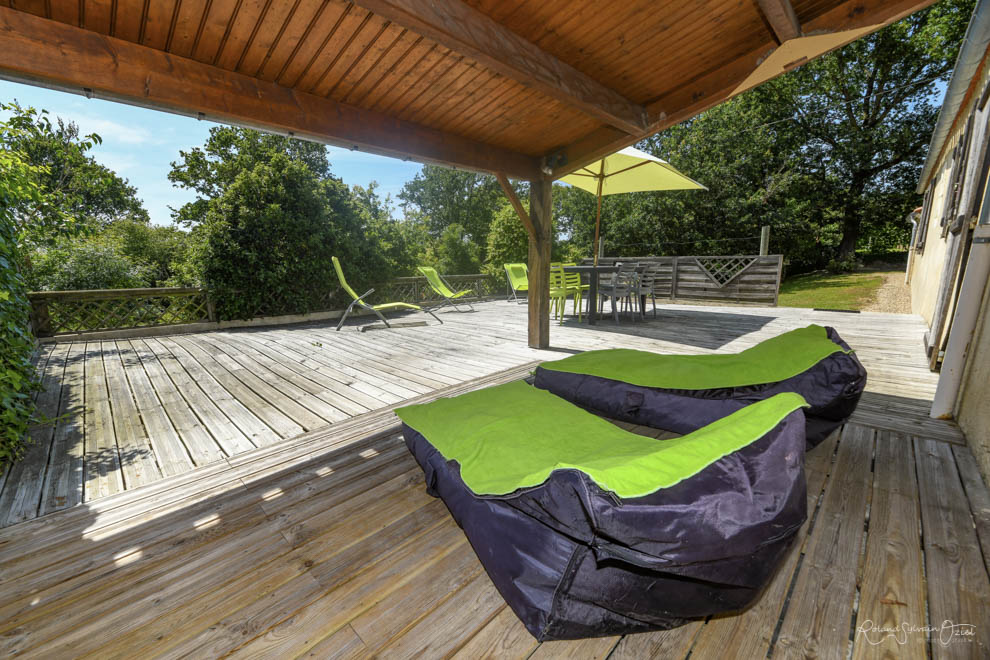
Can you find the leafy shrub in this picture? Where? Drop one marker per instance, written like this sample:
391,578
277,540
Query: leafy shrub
85,265
267,241
508,241
838,265
456,253
17,375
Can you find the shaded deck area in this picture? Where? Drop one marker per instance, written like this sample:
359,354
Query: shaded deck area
317,538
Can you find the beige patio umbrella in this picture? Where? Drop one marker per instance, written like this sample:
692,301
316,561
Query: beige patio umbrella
629,170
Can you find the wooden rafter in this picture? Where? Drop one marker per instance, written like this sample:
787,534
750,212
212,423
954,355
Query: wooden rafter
721,83
37,50
516,204
465,30
782,19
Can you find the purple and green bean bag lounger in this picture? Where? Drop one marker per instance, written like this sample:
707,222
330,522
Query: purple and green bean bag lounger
589,530
681,392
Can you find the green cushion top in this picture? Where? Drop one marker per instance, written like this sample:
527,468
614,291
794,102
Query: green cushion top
770,361
514,436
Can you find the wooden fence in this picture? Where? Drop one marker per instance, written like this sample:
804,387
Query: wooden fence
67,312
747,278
57,313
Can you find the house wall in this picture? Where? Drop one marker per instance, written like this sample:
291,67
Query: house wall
926,266
974,400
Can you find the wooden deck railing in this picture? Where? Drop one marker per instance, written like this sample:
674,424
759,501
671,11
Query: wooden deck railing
741,278
55,313
65,312
750,279
417,289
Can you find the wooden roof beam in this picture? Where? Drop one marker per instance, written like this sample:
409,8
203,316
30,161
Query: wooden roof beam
41,51
720,84
516,204
782,19
467,31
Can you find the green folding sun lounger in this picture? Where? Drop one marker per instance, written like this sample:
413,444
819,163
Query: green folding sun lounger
376,309
440,287
518,276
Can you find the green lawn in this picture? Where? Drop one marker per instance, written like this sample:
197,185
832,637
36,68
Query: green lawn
827,291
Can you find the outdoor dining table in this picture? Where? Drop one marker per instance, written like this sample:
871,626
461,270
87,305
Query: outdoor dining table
593,273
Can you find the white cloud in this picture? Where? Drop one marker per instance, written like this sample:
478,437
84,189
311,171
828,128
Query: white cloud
121,163
111,131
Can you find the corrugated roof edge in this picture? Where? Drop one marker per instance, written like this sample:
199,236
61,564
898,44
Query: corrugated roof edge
968,62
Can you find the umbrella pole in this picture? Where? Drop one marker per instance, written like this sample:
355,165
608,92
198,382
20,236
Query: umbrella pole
598,217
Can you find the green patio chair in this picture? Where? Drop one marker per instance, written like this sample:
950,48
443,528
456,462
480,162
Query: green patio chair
560,289
376,309
518,276
440,287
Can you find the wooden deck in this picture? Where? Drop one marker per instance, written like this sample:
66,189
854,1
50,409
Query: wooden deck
323,543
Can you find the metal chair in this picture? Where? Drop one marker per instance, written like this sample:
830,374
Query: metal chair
648,286
624,283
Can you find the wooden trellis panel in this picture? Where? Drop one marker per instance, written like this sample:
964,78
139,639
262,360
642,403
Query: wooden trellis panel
416,290
739,278
62,312
69,312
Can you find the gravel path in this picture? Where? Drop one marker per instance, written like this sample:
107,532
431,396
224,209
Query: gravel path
893,296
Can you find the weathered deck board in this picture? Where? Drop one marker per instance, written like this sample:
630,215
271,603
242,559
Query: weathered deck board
162,406
816,620
25,478
64,477
958,586
893,568
326,545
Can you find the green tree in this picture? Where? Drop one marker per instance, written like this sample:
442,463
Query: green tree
79,193
508,241
27,208
446,197
868,110
268,239
162,252
84,264
209,170
402,245
455,253
826,155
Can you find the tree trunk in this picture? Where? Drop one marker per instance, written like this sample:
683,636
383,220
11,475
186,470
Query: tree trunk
850,234
851,219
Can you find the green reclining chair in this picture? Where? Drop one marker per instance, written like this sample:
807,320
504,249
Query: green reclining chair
377,309
518,275
440,287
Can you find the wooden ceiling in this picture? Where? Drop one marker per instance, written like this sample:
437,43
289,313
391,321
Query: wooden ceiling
490,85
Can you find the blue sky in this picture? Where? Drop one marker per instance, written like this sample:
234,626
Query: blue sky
139,145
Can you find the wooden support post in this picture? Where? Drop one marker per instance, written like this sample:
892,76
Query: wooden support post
673,278
211,307
539,263
765,240
41,322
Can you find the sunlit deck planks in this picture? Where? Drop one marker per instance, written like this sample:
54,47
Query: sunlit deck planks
133,411
324,543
